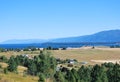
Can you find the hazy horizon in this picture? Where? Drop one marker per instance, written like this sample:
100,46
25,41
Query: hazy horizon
49,19
58,37
38,40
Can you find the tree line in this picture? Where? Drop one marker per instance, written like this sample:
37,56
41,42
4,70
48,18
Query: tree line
107,72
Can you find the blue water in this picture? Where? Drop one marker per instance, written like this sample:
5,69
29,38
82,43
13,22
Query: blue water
54,45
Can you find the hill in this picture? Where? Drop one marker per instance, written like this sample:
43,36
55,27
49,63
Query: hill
24,41
103,36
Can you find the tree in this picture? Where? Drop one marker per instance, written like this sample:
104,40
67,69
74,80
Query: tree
32,68
49,48
74,72
47,64
12,65
84,74
108,65
98,74
43,63
2,50
70,77
41,78
5,70
114,73
59,77
3,59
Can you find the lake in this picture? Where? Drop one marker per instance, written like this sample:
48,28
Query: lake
55,45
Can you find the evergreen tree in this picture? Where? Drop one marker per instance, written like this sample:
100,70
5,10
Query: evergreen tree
5,70
114,73
32,69
41,78
70,77
98,74
84,74
3,59
47,64
108,65
74,72
59,77
12,65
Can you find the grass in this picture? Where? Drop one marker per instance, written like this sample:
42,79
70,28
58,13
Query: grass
82,54
10,53
88,54
13,77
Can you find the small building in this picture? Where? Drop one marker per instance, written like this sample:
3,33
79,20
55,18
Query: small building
25,55
22,50
71,61
60,48
84,63
41,48
29,49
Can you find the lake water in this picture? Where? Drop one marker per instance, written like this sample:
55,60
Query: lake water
55,45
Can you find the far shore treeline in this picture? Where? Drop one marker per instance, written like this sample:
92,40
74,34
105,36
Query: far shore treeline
59,45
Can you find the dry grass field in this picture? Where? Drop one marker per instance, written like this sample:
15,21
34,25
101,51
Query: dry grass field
10,53
88,54
84,54
13,77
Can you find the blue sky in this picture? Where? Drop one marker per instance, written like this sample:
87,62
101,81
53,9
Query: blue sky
45,19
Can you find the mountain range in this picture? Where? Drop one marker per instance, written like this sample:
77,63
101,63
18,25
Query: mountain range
103,36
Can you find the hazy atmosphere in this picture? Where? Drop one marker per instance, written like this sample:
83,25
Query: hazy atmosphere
45,19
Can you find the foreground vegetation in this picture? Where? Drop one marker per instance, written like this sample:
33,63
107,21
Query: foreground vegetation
43,65
44,68
104,73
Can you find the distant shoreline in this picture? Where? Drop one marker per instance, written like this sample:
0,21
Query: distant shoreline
60,45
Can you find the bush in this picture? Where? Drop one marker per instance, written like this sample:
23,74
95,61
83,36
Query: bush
41,78
5,70
3,59
0,66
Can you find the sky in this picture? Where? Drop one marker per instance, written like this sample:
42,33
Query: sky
48,19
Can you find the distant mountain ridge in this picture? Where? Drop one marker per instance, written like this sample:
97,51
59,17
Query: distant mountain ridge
103,36
24,41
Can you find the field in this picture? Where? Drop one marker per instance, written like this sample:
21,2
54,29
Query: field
13,77
84,54
10,53
89,55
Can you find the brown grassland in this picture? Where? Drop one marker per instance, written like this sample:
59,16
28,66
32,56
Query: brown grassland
14,77
86,54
